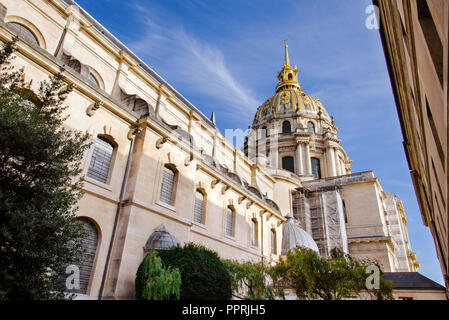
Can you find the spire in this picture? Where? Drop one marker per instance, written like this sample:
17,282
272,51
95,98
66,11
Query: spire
212,118
288,77
286,60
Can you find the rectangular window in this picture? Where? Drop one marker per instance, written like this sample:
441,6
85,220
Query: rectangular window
288,164
168,182
254,233
273,242
230,222
316,168
199,203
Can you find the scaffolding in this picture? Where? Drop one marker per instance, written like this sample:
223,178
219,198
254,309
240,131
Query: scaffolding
393,218
320,213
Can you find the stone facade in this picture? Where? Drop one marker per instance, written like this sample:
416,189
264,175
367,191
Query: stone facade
415,37
161,142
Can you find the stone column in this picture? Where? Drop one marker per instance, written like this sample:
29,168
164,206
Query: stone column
274,152
338,164
308,160
331,161
299,162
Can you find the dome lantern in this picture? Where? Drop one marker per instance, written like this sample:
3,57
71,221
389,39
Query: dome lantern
289,99
288,77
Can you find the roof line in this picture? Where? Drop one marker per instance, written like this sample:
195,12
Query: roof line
142,64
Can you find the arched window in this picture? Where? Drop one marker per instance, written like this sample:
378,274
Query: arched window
89,246
310,127
89,249
288,164
316,168
169,176
24,31
254,235
286,127
93,80
273,242
199,208
230,216
100,162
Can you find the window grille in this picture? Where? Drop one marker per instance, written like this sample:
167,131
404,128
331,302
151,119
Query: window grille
89,248
167,188
199,207
229,222
101,160
24,31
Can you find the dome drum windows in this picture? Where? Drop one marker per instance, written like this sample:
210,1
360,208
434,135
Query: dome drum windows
100,162
311,127
288,164
316,168
286,127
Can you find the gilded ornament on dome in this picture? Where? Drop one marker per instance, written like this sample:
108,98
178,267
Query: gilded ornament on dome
305,98
285,97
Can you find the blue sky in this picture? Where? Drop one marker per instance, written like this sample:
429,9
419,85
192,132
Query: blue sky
223,56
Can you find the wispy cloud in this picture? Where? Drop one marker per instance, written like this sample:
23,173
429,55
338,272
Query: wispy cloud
195,64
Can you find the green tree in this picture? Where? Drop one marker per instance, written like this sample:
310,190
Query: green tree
154,281
40,184
203,274
253,280
334,278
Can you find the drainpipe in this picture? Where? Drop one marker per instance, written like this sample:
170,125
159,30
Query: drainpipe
117,213
261,233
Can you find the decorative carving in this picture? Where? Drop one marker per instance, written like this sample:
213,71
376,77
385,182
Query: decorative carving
188,160
94,107
66,91
132,131
214,183
249,204
225,188
242,198
161,141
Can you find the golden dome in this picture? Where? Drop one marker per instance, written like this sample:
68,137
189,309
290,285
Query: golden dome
291,103
289,98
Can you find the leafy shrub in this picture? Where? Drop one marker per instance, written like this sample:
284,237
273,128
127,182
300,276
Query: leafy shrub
252,280
154,281
203,274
